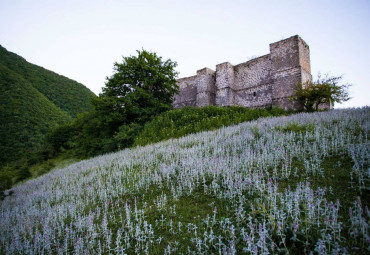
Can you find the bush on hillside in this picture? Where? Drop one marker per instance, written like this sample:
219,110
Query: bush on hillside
127,134
324,92
187,120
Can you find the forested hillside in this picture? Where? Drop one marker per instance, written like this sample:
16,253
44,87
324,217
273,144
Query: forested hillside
25,114
33,100
70,96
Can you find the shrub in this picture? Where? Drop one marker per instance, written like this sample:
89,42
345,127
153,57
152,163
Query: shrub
187,120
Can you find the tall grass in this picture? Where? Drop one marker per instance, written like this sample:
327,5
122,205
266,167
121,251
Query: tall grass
292,184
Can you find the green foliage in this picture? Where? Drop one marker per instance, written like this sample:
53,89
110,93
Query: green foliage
146,72
70,96
5,182
326,90
13,173
33,101
296,128
42,167
141,87
25,114
90,135
60,137
177,123
33,164
127,134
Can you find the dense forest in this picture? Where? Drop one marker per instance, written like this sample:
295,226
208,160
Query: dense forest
33,101
25,115
69,95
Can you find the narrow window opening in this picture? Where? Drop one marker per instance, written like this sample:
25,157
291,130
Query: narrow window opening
254,94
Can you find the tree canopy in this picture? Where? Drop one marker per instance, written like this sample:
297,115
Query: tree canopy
326,90
33,101
25,116
141,86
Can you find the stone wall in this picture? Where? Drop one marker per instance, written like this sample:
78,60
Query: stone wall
265,81
188,92
206,89
225,78
253,81
290,58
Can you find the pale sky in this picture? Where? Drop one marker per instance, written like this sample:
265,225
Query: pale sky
82,39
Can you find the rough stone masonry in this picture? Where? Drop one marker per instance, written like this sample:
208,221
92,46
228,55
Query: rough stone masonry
265,81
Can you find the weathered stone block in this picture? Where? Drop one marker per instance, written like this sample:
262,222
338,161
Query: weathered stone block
253,73
285,54
188,92
206,89
205,98
205,80
224,97
224,83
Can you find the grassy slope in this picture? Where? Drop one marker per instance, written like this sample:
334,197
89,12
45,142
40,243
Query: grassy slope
70,96
189,120
178,123
25,114
283,185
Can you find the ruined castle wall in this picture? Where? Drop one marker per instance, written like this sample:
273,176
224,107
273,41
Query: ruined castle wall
206,89
304,57
225,77
253,83
290,58
260,82
188,92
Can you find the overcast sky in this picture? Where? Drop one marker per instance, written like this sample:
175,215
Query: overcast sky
82,39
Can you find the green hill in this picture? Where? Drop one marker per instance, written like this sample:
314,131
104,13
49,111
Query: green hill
295,184
69,95
32,101
25,114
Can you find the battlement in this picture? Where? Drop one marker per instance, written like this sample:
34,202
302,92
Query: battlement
265,81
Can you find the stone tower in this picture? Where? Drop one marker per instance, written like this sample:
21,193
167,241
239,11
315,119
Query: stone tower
224,84
206,90
290,60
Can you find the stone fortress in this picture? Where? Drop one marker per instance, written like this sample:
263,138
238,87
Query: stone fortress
265,81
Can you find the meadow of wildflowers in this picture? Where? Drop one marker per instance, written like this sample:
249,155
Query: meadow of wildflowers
295,184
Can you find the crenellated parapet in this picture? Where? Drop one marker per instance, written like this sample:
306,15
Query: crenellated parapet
265,81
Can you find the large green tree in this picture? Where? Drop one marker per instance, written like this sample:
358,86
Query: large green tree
140,87
325,91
